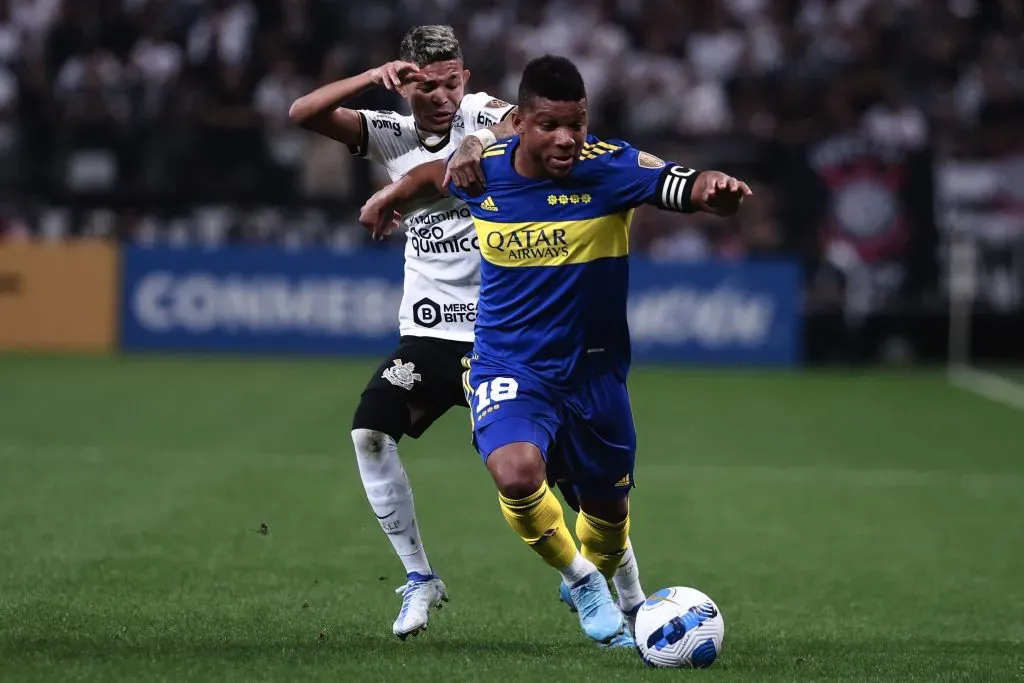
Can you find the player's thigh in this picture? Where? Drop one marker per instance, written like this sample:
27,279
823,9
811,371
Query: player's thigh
612,510
599,442
416,384
514,425
600,412
600,473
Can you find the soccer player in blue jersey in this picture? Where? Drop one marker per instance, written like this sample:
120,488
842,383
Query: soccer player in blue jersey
547,382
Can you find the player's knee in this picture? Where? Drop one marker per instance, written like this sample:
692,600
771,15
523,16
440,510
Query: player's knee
369,442
611,510
518,469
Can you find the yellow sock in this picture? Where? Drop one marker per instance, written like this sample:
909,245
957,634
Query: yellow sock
603,543
539,521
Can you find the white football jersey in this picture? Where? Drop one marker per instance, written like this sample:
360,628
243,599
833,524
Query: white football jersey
442,255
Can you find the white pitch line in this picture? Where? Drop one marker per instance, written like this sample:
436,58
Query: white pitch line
988,385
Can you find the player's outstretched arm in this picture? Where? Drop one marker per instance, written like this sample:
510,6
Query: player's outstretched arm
321,112
464,167
717,193
426,181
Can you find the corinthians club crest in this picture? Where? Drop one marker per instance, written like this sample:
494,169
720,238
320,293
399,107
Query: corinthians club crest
402,374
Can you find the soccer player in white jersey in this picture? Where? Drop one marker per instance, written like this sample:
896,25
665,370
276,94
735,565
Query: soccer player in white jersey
422,378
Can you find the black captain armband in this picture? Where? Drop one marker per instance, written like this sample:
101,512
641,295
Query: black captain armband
362,148
674,188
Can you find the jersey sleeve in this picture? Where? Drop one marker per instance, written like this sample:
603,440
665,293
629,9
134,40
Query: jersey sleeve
639,177
454,191
461,195
480,110
475,203
380,134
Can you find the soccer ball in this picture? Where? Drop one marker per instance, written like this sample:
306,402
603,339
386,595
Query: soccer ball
679,628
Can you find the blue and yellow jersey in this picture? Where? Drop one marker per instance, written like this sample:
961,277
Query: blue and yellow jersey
554,271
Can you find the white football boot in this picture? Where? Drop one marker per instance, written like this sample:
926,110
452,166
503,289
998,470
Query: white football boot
419,595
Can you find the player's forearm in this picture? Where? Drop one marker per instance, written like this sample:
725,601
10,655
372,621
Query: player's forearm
315,110
426,181
327,98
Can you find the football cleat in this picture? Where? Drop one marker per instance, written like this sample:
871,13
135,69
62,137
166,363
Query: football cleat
630,617
600,618
419,595
621,639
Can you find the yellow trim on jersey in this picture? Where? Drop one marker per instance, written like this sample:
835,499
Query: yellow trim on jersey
592,151
554,243
495,153
468,390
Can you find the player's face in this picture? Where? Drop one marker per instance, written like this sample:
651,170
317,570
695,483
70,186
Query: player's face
553,133
435,100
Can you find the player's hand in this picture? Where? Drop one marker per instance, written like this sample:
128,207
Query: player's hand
720,194
379,217
464,168
394,75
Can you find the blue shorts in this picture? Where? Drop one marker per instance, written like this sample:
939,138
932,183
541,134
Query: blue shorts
585,435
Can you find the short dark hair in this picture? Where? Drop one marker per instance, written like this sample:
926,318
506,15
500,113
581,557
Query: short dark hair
425,45
552,78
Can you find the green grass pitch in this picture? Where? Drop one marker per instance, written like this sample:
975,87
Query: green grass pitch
850,526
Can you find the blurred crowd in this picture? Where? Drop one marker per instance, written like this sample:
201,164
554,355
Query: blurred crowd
165,110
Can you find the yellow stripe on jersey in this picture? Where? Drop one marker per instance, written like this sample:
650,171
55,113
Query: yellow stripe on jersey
495,150
554,243
592,151
467,389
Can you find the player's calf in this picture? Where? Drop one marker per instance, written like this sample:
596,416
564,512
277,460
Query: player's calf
533,511
602,542
390,495
530,507
603,530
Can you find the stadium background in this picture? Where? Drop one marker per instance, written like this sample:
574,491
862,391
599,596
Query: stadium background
154,197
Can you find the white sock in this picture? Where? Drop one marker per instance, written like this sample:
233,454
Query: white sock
390,495
627,580
578,569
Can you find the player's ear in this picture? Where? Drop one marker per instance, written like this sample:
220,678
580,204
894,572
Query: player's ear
465,77
518,121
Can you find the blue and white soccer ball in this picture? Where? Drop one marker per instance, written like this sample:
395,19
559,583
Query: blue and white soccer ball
679,628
